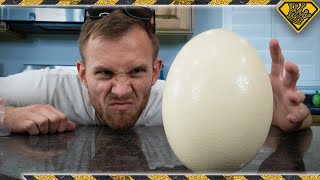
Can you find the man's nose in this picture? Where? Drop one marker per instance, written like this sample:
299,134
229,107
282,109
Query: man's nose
121,85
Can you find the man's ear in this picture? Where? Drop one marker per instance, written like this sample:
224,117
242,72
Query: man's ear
157,65
82,72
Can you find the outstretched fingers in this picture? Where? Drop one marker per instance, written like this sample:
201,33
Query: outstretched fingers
292,75
277,58
300,113
296,97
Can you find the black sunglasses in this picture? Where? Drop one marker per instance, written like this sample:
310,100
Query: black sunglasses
137,12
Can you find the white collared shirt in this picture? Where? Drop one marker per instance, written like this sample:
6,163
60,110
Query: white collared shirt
63,90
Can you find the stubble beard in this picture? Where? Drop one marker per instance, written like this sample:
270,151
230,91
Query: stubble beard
119,120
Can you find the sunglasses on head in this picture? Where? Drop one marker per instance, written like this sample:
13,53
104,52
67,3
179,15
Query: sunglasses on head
136,12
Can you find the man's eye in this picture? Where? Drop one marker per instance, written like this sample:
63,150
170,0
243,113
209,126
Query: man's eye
137,71
107,74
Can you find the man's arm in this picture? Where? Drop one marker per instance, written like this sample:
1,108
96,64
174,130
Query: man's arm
289,112
37,119
25,95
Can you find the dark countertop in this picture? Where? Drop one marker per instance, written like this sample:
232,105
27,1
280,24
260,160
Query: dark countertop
142,150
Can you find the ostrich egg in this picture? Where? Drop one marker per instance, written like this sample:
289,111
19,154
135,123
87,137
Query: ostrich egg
217,103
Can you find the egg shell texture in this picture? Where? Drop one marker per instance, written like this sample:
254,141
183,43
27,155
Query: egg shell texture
217,103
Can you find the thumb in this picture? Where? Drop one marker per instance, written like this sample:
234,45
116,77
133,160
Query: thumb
71,126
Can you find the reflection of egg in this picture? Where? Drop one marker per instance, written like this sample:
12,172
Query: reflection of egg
217,103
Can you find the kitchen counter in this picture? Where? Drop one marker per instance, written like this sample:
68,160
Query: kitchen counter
141,150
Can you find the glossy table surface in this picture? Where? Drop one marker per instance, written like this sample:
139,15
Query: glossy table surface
142,150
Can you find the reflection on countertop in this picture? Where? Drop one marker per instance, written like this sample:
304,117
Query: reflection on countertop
141,150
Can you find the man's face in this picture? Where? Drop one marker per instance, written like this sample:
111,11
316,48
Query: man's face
119,75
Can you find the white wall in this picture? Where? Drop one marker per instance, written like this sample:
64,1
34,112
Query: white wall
259,24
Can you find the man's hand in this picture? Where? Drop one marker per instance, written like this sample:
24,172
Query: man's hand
289,112
37,119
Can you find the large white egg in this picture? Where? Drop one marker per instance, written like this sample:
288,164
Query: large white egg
217,103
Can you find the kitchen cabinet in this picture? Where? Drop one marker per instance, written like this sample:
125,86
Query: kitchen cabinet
315,119
174,21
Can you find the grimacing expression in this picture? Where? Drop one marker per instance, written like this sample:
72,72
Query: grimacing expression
119,74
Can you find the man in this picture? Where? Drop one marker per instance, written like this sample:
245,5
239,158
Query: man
117,84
